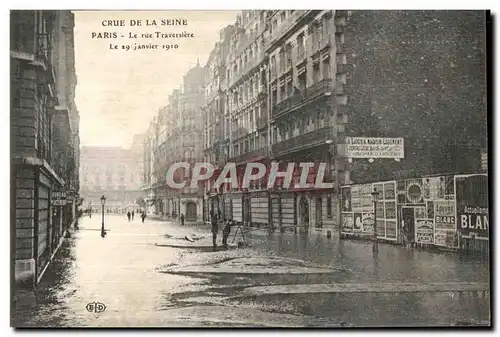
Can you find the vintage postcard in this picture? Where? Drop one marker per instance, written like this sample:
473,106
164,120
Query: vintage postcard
250,168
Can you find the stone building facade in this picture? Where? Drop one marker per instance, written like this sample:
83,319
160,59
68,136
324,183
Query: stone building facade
44,138
299,81
112,172
176,135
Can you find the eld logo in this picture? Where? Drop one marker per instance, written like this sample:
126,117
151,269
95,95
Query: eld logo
96,307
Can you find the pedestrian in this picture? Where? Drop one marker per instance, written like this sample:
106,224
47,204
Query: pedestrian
182,219
128,215
132,215
143,216
215,229
226,231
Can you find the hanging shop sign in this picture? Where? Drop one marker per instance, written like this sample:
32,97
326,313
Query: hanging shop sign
375,147
58,198
472,205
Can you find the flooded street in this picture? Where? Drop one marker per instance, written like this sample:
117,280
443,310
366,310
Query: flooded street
143,281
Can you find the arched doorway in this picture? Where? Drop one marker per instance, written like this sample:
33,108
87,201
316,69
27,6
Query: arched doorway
190,211
304,212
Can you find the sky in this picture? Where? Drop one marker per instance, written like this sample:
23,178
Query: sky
119,91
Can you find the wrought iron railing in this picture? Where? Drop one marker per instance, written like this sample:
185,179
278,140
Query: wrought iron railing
319,88
305,140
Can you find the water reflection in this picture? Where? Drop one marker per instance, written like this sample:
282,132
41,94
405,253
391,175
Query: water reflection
126,272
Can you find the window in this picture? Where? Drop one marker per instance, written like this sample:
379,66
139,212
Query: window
326,69
289,89
315,73
302,81
329,207
273,66
283,16
300,47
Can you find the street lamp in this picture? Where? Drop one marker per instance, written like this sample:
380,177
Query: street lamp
375,195
103,201
90,209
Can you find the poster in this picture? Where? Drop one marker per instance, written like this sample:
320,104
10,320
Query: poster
368,223
366,198
391,229
390,210
347,223
346,199
472,205
390,190
414,192
444,238
420,213
424,231
444,215
358,222
356,198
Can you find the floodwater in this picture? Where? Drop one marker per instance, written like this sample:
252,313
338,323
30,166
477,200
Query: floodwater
142,284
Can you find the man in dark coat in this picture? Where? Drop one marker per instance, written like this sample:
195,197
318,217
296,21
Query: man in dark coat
226,231
215,229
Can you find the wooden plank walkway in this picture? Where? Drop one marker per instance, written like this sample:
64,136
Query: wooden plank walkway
365,288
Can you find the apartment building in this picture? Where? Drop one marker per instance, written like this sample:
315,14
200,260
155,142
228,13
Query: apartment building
44,137
176,135
216,117
113,172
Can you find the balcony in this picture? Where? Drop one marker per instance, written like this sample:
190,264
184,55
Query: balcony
255,154
287,104
323,87
302,142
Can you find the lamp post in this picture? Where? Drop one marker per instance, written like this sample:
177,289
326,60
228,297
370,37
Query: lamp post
103,201
90,209
375,195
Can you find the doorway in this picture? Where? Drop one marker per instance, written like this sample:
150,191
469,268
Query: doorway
319,213
190,211
304,212
408,216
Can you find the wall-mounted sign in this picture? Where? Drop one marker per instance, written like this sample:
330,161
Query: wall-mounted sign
374,147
